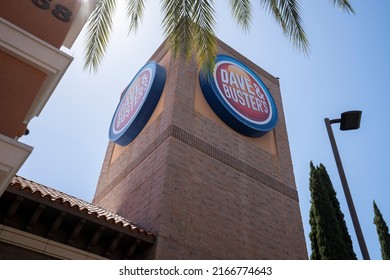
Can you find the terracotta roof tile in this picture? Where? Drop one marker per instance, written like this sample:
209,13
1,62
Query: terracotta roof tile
76,203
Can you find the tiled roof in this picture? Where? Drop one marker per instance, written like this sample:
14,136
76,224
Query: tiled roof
76,203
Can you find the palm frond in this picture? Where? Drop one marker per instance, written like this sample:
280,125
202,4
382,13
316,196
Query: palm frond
288,14
204,35
189,25
242,12
135,10
344,5
98,32
178,26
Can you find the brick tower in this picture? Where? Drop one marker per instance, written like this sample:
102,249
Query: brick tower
207,187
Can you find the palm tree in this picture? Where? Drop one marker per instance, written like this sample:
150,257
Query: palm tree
189,25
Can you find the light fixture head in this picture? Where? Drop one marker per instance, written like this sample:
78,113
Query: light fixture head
350,120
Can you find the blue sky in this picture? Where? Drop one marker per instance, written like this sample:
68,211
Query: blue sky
348,68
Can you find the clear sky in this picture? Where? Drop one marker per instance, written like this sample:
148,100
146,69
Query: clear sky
348,69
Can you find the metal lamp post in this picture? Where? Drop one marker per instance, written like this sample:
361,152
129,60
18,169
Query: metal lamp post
348,121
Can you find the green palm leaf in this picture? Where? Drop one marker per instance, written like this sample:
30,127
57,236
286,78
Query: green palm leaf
287,14
135,10
189,25
343,5
203,33
177,26
242,12
98,33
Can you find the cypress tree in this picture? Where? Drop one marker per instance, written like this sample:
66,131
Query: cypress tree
346,238
383,233
326,233
315,251
328,239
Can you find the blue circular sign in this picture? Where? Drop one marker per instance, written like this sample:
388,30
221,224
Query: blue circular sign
239,97
138,101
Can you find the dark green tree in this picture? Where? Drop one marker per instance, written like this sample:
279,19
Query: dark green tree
325,180
315,251
329,235
383,233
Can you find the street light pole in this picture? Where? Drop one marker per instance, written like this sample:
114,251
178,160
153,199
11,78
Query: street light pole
355,220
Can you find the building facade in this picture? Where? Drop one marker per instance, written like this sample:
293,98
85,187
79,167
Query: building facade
205,185
38,222
31,65
41,223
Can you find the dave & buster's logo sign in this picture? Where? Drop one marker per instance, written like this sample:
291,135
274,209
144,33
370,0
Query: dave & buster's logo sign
138,101
239,97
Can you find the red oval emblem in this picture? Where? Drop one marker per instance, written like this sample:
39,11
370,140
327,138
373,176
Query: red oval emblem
137,104
132,100
242,92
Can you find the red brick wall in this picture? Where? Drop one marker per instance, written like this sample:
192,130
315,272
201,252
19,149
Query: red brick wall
205,190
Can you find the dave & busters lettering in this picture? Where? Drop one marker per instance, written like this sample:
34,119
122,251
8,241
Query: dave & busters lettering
137,104
239,97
